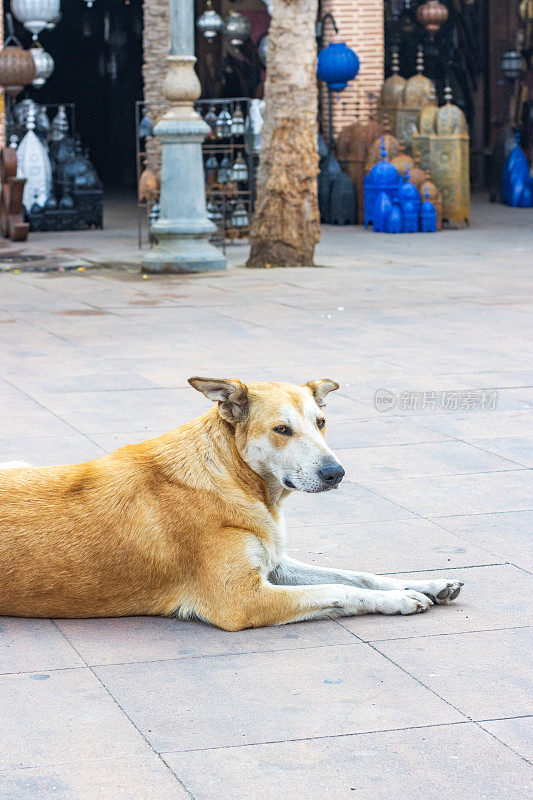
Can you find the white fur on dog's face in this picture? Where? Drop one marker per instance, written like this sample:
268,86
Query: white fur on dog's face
289,460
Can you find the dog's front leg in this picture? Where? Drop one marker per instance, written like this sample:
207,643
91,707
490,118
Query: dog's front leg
277,605
290,572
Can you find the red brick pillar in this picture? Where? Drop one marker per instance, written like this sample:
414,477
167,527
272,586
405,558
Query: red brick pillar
360,24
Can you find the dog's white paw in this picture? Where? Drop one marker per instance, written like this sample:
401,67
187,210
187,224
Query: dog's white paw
398,601
440,591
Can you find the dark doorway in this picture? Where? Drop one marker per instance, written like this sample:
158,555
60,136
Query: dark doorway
98,67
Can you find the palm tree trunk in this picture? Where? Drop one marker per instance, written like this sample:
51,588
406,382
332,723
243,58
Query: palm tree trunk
286,226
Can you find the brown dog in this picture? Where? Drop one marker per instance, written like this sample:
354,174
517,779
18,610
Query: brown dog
190,524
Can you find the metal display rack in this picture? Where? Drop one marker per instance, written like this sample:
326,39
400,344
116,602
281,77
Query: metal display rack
230,201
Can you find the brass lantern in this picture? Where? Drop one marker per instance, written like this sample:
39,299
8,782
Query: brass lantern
432,15
17,68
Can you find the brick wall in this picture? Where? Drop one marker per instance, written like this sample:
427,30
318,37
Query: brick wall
360,24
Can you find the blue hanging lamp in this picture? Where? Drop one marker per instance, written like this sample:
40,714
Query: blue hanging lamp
337,65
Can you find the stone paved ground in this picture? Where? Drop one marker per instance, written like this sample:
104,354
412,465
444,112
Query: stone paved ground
428,707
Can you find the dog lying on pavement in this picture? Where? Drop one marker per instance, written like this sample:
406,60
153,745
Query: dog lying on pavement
190,524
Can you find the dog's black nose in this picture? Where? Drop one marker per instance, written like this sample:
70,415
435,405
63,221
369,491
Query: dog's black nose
332,474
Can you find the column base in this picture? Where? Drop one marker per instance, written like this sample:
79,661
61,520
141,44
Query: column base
183,254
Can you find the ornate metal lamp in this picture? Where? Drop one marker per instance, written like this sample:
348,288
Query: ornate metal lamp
512,65
44,65
17,67
210,23
35,15
236,28
183,228
432,15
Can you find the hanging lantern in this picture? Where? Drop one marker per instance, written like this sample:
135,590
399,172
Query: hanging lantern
211,118
239,171
17,68
337,65
44,65
223,124
236,28
35,15
239,218
224,171
237,122
262,50
89,3
210,23
511,65
432,15
407,20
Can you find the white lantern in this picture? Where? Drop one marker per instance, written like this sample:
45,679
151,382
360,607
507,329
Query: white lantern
35,15
44,65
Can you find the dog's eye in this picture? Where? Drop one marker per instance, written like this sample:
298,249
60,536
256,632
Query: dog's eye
284,430
320,423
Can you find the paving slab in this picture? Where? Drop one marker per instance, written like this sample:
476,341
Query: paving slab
507,535
516,733
383,546
132,639
483,675
192,704
139,778
481,493
430,763
492,598
30,645
43,450
372,465
62,716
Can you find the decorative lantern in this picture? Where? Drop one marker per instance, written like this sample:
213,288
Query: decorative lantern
210,23
211,169
211,118
35,15
337,65
237,123
511,65
432,15
44,65
89,3
262,50
236,28
239,218
239,171
17,68
407,20
224,171
223,124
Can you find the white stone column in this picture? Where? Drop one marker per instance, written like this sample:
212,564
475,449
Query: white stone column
183,228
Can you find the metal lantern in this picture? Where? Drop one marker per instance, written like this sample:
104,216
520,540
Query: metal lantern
210,23
44,65
239,171
432,15
337,64
211,118
90,5
211,169
224,171
35,15
239,218
511,65
262,50
17,68
236,28
223,124
237,122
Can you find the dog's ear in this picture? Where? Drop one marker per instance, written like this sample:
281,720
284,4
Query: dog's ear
232,397
319,389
